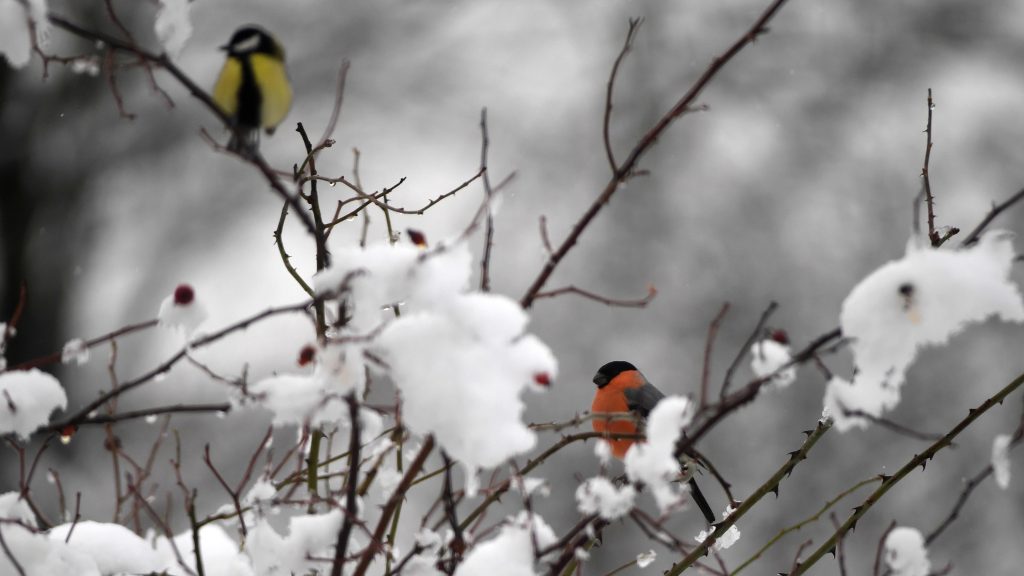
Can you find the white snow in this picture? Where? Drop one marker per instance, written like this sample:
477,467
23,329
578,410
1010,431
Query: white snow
114,548
1001,460
459,359
221,555
262,491
35,553
173,25
603,452
598,495
645,559
905,553
767,356
653,463
15,34
74,352
26,400
531,485
182,311
510,553
308,536
319,397
725,541
921,300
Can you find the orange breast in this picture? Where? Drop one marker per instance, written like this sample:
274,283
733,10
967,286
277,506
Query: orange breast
611,399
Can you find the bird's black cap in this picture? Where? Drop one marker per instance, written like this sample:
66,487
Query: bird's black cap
611,370
252,38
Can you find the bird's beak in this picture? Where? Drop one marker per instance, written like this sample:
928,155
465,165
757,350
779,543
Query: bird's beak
601,380
225,47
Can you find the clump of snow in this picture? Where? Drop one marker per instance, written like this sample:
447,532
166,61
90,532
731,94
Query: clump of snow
75,351
767,357
308,537
645,559
460,359
529,485
262,491
388,478
316,398
15,30
598,495
173,25
1001,460
921,300
653,463
114,548
510,553
34,552
221,555
26,400
725,541
603,451
182,311
425,563
905,553
87,65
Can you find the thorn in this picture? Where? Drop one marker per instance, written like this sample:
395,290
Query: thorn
808,433
832,551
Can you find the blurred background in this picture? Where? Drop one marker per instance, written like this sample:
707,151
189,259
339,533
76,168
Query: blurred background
795,184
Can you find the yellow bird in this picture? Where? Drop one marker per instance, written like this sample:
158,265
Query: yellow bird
253,88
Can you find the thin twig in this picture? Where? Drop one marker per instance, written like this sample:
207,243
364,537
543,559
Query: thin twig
389,507
768,487
351,484
634,28
881,547
55,357
996,210
918,460
894,426
485,262
708,344
629,165
926,186
744,349
652,292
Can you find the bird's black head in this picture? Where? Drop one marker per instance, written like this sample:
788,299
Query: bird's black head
252,39
611,370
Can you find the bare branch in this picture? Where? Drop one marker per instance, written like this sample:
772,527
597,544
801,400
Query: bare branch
629,165
637,303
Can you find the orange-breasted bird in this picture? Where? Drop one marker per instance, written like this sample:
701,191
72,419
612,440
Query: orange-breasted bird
622,388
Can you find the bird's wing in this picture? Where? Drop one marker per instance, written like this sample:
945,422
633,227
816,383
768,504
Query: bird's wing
643,398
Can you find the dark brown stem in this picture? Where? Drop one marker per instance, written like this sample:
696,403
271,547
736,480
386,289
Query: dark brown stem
629,165
389,508
996,210
634,27
637,303
709,342
351,484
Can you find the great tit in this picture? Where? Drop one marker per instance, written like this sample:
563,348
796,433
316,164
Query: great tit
253,88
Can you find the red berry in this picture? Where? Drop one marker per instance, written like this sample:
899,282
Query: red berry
306,355
780,336
184,295
542,378
416,237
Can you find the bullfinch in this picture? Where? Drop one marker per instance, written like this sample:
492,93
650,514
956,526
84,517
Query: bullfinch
622,388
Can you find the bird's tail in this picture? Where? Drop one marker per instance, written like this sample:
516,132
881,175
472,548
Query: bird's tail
701,501
244,141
